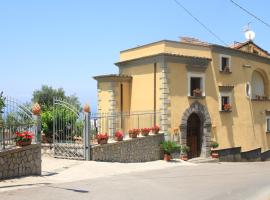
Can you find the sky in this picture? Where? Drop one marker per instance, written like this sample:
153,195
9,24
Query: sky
64,43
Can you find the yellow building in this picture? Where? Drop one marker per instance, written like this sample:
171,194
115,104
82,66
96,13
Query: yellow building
202,91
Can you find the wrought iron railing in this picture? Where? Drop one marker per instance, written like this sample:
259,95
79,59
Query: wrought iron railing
103,122
16,117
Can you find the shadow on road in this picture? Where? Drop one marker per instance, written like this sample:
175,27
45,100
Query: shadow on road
70,189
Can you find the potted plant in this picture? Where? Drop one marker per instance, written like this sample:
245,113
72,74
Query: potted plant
214,145
226,69
23,139
145,131
102,138
168,148
118,136
227,107
155,129
133,133
184,151
197,92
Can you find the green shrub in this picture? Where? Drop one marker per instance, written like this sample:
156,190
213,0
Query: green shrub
185,149
214,144
169,147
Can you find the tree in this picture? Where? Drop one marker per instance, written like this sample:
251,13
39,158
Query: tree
45,97
2,102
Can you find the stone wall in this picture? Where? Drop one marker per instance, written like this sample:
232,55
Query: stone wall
265,155
229,155
22,161
251,156
140,149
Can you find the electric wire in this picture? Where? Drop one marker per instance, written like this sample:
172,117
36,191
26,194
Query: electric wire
251,14
201,23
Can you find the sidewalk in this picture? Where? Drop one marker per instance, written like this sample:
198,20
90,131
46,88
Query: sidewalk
62,171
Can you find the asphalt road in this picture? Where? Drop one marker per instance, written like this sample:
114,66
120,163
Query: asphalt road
204,181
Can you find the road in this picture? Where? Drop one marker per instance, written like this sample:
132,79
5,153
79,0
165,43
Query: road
203,181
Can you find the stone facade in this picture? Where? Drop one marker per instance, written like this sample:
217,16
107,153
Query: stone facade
20,162
140,149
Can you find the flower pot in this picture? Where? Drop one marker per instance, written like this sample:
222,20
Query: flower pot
155,132
167,157
214,155
145,133
23,143
118,139
184,157
133,135
103,141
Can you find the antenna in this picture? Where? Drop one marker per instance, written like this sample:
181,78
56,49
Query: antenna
249,34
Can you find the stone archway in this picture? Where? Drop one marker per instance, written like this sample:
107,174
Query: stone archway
205,119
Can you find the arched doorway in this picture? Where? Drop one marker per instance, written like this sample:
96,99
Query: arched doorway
194,135
197,114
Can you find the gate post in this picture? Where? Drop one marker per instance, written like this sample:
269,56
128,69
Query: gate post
86,128
36,112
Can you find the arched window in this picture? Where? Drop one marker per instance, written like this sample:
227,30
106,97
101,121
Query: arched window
257,86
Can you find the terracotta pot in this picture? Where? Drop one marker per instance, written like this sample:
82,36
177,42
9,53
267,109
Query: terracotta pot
22,143
144,133
214,155
36,109
103,141
118,139
184,157
86,108
156,131
167,157
133,135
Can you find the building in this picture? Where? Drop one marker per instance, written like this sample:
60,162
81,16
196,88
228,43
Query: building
202,91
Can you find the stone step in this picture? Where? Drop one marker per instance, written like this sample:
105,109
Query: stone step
203,160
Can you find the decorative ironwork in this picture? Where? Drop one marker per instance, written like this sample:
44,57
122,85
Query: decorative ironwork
69,131
16,116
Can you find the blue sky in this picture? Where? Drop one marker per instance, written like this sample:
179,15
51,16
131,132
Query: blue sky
63,43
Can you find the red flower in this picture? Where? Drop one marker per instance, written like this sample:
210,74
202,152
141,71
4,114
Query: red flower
102,136
24,136
119,134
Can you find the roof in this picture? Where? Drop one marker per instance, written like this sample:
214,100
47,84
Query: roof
164,54
113,76
239,45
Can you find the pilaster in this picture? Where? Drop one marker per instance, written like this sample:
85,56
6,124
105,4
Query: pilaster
164,98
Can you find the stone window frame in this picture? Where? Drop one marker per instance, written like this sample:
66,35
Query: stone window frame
224,94
196,75
220,62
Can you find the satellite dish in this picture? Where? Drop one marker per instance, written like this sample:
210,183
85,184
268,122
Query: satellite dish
250,35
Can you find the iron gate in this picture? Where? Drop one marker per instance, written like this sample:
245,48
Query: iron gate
70,131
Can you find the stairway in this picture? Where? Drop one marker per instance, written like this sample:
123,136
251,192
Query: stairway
203,160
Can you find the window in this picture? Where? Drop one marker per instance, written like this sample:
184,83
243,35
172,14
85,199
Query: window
248,89
225,63
258,86
196,85
225,102
268,123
